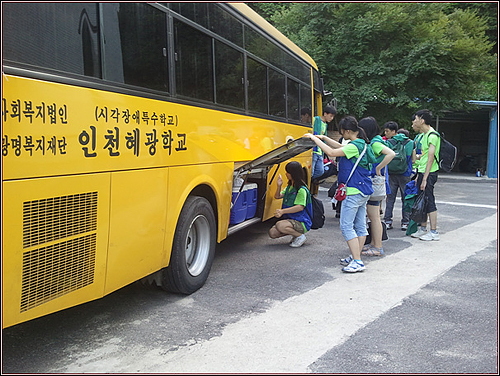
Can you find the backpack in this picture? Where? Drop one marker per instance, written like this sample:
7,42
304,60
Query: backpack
399,164
318,213
447,154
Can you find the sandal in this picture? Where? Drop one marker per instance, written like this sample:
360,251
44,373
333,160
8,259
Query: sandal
373,251
366,247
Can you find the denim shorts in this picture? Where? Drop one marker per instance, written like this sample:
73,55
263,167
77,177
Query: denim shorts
353,216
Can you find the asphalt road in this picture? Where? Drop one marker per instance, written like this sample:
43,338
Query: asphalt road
424,307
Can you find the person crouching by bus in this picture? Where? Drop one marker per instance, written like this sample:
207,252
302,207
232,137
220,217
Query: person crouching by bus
359,185
296,197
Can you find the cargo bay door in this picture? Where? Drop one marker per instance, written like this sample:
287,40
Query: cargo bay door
252,184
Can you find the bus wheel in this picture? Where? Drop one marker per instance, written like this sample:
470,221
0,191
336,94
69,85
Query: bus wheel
193,248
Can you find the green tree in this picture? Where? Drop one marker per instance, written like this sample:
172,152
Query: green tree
488,10
267,10
389,59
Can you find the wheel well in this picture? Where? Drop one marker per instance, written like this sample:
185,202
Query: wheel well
207,192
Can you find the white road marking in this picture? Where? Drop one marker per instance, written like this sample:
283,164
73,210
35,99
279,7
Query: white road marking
467,204
444,202
294,333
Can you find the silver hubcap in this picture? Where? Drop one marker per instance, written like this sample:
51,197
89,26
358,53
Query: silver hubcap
197,245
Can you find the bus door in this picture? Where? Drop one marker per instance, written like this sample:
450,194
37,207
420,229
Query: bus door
253,190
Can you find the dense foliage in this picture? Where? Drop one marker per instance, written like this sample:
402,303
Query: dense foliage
389,59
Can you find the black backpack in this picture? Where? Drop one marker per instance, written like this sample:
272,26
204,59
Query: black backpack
318,218
399,164
318,213
447,154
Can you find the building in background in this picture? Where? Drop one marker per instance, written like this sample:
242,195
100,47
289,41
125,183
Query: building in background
475,134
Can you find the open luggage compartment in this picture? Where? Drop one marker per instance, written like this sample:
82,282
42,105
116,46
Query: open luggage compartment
250,183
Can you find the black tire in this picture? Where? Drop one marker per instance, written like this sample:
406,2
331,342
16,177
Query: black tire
193,248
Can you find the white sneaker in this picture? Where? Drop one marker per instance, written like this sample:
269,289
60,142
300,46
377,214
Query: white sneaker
354,267
298,241
421,231
346,261
430,236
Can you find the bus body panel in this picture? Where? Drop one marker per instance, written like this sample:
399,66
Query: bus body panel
143,194
96,131
54,244
217,177
138,214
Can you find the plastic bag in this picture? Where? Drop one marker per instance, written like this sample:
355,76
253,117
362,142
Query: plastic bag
419,208
378,185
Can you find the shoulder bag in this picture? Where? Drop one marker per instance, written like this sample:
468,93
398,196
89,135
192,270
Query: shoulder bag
341,192
378,185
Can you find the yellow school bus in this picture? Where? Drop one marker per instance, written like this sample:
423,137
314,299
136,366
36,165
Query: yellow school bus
125,127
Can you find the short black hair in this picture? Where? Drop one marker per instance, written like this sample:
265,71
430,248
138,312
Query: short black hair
306,110
392,125
423,114
404,131
329,110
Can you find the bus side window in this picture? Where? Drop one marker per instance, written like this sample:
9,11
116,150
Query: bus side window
193,63
136,38
292,97
277,94
225,25
257,86
305,96
59,36
229,76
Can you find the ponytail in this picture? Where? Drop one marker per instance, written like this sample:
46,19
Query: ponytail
362,134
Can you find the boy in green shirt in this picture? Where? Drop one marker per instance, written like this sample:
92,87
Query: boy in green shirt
319,129
427,171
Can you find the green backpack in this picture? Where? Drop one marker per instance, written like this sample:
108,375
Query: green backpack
399,164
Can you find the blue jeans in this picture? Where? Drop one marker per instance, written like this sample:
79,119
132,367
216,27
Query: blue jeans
353,217
397,184
318,167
